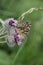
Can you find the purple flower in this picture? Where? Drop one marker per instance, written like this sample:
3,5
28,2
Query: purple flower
18,39
10,23
13,38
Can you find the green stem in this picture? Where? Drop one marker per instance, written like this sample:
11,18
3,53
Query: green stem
2,42
20,49
3,32
29,11
2,22
3,36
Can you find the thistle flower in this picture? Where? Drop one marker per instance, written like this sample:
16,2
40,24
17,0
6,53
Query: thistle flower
12,40
8,23
15,31
18,39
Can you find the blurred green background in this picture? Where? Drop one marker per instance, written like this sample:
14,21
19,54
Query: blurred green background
31,52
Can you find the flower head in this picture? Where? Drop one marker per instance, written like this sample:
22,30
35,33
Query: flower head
13,38
10,23
18,39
